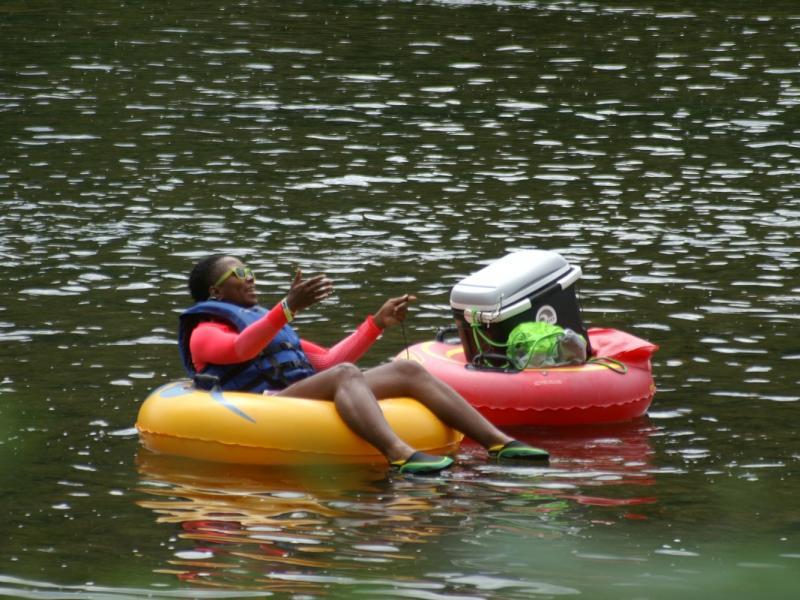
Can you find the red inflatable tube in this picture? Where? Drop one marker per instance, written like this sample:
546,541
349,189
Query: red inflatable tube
574,395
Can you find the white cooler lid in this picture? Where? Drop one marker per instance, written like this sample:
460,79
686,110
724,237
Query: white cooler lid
509,279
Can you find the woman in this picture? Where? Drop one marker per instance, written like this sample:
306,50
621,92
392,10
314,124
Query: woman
231,341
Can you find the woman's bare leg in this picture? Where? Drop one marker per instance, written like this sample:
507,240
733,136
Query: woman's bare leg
408,378
356,404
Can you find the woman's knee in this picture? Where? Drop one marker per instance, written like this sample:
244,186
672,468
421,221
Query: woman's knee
346,372
411,370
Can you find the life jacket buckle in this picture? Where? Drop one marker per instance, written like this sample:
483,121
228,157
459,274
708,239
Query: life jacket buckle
206,381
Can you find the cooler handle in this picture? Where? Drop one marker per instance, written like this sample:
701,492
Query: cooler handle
501,314
570,278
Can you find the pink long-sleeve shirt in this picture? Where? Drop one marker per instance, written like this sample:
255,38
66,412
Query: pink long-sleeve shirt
217,343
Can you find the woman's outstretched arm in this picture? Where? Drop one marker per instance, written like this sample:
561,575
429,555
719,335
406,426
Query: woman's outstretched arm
350,349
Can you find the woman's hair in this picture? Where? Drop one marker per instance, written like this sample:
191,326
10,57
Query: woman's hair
200,277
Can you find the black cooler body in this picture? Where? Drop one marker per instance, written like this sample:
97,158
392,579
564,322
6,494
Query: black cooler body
528,285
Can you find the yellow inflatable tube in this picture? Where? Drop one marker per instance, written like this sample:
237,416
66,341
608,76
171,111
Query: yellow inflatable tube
243,428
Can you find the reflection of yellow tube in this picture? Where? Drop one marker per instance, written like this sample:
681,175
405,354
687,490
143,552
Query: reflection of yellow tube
233,521
237,427
243,479
245,494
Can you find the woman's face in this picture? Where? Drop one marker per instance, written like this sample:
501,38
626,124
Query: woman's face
232,288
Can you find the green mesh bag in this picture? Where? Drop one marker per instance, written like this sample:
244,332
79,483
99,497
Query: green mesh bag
534,344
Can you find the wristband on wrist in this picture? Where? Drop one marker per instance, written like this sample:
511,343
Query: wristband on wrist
287,312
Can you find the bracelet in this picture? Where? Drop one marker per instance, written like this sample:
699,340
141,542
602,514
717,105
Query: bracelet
287,312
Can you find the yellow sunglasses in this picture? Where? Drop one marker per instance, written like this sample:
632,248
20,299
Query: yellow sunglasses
242,273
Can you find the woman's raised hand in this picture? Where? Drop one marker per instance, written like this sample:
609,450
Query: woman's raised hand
393,311
307,292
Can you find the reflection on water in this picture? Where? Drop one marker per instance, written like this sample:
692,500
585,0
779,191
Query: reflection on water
240,521
292,524
282,529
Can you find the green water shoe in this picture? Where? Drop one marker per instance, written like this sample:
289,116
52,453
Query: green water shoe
419,462
518,450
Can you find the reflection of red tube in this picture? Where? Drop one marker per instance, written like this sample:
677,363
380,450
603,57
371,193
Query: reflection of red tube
211,526
621,449
597,501
583,394
267,549
594,457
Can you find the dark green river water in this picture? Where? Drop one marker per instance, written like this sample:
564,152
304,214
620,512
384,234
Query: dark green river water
398,147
